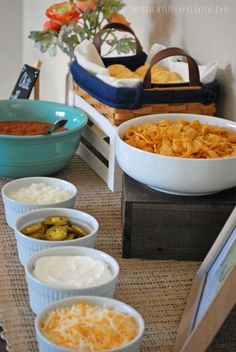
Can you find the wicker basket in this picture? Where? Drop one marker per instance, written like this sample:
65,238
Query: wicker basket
192,97
117,116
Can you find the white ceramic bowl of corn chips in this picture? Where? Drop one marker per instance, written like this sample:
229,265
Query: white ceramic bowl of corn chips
195,160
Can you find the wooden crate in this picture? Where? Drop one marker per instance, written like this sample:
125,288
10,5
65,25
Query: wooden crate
97,146
157,225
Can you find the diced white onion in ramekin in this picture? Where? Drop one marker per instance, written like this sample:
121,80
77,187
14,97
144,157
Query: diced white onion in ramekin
40,193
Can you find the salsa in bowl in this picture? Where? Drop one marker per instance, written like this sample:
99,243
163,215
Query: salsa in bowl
38,155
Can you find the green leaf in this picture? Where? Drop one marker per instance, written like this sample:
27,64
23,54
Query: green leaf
111,42
52,50
92,19
110,6
78,29
42,35
125,46
45,41
68,37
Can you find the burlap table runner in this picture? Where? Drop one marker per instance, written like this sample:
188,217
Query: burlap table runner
157,289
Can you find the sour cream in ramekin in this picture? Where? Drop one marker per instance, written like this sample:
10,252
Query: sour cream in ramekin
72,271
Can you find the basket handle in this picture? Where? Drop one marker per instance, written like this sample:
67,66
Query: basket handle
194,76
119,26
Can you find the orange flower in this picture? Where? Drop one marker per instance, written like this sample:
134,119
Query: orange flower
118,18
53,26
84,5
63,13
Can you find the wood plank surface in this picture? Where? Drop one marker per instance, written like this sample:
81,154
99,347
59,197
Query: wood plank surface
162,226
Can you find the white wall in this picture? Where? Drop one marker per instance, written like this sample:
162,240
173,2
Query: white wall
54,69
205,28
11,45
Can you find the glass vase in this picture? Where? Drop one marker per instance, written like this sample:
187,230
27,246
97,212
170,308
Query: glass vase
69,93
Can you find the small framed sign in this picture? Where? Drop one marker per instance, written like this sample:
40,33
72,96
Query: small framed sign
28,78
213,293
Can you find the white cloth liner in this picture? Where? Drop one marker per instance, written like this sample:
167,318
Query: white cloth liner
87,56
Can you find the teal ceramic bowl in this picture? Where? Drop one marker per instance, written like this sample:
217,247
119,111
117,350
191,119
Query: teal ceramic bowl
23,156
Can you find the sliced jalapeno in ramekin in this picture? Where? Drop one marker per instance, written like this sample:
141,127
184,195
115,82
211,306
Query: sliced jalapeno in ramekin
56,220
56,233
29,230
69,237
78,230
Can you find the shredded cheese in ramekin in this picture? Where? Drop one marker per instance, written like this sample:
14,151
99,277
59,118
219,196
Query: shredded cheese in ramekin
89,328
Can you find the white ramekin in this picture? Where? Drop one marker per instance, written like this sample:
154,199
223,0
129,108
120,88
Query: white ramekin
28,246
13,209
132,346
41,294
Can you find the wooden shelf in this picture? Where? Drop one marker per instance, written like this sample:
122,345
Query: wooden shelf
97,146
